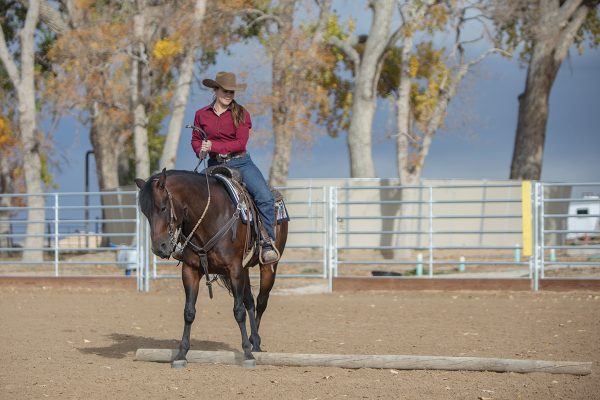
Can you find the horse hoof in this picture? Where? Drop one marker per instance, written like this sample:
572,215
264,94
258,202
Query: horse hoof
178,364
249,363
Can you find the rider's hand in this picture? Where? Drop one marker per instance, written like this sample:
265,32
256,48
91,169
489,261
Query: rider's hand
206,145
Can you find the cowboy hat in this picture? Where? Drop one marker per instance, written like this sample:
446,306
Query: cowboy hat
225,80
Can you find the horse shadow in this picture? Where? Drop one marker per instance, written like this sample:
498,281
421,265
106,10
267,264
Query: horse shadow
124,344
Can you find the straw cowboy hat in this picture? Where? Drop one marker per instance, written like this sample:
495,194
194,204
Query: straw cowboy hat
225,80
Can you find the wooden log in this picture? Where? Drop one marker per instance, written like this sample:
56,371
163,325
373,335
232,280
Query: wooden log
353,361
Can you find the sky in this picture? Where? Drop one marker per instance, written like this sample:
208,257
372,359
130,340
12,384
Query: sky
476,144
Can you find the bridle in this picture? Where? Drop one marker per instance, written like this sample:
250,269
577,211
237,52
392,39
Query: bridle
174,229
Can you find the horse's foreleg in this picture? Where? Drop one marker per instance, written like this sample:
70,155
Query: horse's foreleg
267,280
191,279
240,283
250,308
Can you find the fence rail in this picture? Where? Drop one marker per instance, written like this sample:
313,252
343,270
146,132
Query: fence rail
339,228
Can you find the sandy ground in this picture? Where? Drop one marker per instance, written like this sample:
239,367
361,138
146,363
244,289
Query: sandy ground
79,342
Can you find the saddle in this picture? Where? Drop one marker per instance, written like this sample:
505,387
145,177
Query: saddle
232,181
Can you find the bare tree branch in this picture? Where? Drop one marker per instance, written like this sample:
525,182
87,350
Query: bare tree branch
567,10
324,8
50,16
262,16
346,48
568,34
9,62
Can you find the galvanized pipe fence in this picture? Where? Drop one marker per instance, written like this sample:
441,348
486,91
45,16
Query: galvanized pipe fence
367,227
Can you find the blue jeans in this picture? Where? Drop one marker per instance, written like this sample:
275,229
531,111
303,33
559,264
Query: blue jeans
257,187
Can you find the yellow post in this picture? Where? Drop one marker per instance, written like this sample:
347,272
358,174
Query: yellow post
526,220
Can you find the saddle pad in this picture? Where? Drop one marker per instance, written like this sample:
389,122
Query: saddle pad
281,211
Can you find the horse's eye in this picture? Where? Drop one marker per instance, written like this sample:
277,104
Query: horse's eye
163,209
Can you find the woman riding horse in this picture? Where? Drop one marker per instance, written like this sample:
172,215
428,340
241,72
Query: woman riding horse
179,209
196,210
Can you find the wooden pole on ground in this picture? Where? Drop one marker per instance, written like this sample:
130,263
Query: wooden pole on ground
374,361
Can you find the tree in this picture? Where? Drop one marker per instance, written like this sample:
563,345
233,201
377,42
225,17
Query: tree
11,175
366,71
297,62
90,65
429,79
547,29
139,88
182,90
22,77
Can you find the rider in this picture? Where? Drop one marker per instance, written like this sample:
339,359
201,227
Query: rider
227,125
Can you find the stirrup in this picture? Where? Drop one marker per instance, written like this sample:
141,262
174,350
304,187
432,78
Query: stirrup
268,253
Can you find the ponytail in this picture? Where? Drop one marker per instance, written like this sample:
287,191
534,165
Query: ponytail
238,113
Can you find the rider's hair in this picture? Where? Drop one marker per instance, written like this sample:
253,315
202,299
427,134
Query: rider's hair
238,113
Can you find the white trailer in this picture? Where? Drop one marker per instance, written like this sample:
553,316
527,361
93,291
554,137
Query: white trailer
584,217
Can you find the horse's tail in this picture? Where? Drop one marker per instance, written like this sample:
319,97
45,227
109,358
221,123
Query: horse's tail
225,281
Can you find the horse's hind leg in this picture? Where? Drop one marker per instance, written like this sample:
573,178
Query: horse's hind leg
191,279
267,280
240,284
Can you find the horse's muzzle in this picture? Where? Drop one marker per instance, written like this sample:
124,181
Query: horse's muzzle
163,250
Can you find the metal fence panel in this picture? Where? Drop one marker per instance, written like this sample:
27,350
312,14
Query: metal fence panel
305,255
347,227
85,234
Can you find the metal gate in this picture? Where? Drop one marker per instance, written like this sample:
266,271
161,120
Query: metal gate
566,229
465,230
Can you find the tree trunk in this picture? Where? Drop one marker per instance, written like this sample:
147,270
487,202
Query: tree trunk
106,150
283,133
554,32
30,141
32,167
6,186
180,98
533,115
365,92
404,124
360,134
140,120
282,150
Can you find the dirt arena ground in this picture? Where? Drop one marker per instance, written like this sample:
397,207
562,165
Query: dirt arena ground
78,343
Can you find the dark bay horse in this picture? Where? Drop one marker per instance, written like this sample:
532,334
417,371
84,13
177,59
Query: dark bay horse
192,202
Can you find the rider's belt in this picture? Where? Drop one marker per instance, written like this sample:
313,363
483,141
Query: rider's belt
221,158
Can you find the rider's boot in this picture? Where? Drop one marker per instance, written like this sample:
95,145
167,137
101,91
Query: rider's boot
268,253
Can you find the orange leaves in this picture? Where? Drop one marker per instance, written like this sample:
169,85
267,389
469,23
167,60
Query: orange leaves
431,78
84,4
7,138
166,48
413,66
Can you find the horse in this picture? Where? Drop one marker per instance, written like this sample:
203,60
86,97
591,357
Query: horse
185,204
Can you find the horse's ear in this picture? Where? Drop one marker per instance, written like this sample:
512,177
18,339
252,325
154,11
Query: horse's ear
162,179
140,183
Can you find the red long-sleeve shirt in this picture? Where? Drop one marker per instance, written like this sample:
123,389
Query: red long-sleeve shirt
225,137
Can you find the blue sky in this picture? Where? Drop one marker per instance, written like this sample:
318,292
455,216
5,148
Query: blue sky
477,143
